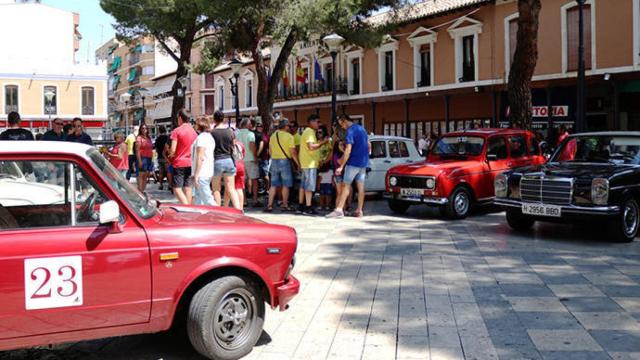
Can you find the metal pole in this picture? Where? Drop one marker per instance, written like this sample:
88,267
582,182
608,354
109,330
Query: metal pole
580,102
126,118
333,87
237,99
144,113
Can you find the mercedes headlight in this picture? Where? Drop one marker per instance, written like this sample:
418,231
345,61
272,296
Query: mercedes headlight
600,191
393,181
501,185
431,183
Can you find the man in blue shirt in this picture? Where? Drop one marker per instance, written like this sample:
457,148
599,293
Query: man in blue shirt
78,135
353,165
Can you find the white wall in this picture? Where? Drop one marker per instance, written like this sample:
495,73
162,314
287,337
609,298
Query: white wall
39,39
163,62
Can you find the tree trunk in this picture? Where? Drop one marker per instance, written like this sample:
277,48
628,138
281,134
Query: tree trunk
523,64
268,87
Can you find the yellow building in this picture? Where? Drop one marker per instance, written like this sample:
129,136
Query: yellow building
40,78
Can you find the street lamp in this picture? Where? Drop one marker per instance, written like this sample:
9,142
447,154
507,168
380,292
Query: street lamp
580,101
124,98
333,42
49,95
143,94
184,82
236,66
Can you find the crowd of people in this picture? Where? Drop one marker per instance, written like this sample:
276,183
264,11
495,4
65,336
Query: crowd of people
72,131
209,163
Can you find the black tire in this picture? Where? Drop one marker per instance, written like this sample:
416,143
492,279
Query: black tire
398,207
519,222
215,315
459,204
624,228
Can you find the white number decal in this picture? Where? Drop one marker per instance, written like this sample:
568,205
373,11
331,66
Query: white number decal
53,282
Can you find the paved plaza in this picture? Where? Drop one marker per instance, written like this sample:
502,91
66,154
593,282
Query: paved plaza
420,287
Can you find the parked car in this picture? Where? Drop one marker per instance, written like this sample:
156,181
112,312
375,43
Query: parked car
110,262
460,170
591,177
387,152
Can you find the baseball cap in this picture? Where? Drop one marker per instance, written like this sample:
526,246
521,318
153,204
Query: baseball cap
283,123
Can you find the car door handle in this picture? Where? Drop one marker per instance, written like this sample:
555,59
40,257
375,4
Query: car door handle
408,161
387,161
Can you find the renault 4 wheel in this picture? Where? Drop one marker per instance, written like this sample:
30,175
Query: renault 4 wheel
225,318
625,226
459,204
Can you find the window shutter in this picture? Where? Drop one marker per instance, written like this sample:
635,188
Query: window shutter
573,35
513,38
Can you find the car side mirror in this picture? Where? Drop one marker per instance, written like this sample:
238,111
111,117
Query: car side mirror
109,212
492,157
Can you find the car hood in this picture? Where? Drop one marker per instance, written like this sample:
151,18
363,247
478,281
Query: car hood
575,170
18,192
197,215
434,168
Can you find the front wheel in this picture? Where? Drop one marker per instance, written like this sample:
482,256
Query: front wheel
225,318
624,227
459,204
519,222
398,207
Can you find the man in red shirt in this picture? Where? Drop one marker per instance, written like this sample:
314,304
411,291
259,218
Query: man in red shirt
182,138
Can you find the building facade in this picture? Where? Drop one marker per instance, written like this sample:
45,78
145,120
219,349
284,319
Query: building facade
39,75
446,68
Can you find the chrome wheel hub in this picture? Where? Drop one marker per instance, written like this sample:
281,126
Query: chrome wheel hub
234,317
461,203
630,218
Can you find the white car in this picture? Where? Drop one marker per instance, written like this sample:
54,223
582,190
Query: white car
387,152
18,189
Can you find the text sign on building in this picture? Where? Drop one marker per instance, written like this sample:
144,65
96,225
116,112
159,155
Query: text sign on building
556,111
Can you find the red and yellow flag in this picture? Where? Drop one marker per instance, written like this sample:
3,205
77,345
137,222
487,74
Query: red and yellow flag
285,78
300,75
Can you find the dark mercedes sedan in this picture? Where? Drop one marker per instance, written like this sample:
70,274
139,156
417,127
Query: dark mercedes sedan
591,177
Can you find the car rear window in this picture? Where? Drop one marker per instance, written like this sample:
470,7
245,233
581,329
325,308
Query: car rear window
517,146
398,149
378,149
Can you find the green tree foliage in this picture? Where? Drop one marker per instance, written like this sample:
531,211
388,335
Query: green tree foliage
249,26
175,24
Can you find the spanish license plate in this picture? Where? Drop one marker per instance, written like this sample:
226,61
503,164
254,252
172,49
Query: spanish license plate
542,210
411,193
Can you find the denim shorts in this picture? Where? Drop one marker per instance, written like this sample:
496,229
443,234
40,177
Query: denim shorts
309,179
147,164
202,193
224,167
352,173
264,166
280,172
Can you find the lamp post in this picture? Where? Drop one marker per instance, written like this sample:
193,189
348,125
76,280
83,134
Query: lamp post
143,94
333,42
124,98
235,66
49,95
580,100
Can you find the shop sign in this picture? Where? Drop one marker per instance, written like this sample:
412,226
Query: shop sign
543,111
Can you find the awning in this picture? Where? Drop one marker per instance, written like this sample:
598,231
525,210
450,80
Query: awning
115,64
132,75
115,82
137,48
139,115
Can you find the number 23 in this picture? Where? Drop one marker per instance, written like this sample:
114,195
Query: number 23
66,273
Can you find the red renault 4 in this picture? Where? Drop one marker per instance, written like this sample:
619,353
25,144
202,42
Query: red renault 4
460,170
84,255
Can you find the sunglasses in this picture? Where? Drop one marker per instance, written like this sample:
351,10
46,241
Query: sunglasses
58,123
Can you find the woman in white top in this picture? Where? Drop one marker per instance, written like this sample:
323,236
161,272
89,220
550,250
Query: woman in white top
202,163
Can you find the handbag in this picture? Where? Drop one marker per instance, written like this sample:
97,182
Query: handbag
293,163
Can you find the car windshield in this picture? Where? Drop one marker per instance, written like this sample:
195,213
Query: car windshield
459,145
9,169
126,191
600,149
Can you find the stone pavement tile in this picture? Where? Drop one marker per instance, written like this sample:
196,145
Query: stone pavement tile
633,270
563,340
535,258
487,293
630,304
568,291
591,304
607,321
541,304
575,355
624,355
413,347
559,279
616,340
517,278
528,290
446,354
620,291
609,279
548,320
443,337
579,259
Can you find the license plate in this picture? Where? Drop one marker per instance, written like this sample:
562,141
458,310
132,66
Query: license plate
413,193
541,210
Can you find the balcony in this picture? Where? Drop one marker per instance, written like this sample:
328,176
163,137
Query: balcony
315,89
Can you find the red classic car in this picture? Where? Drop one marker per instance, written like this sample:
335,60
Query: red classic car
460,170
84,255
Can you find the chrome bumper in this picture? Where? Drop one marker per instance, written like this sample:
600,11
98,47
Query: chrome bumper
421,200
567,209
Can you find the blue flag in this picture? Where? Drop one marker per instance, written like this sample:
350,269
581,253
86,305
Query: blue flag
317,70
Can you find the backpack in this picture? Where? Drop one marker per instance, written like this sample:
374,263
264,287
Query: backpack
237,152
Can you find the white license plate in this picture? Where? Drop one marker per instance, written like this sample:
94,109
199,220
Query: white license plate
411,192
542,210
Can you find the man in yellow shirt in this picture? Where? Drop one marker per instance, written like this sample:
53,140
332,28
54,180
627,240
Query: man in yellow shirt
133,160
309,145
283,150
